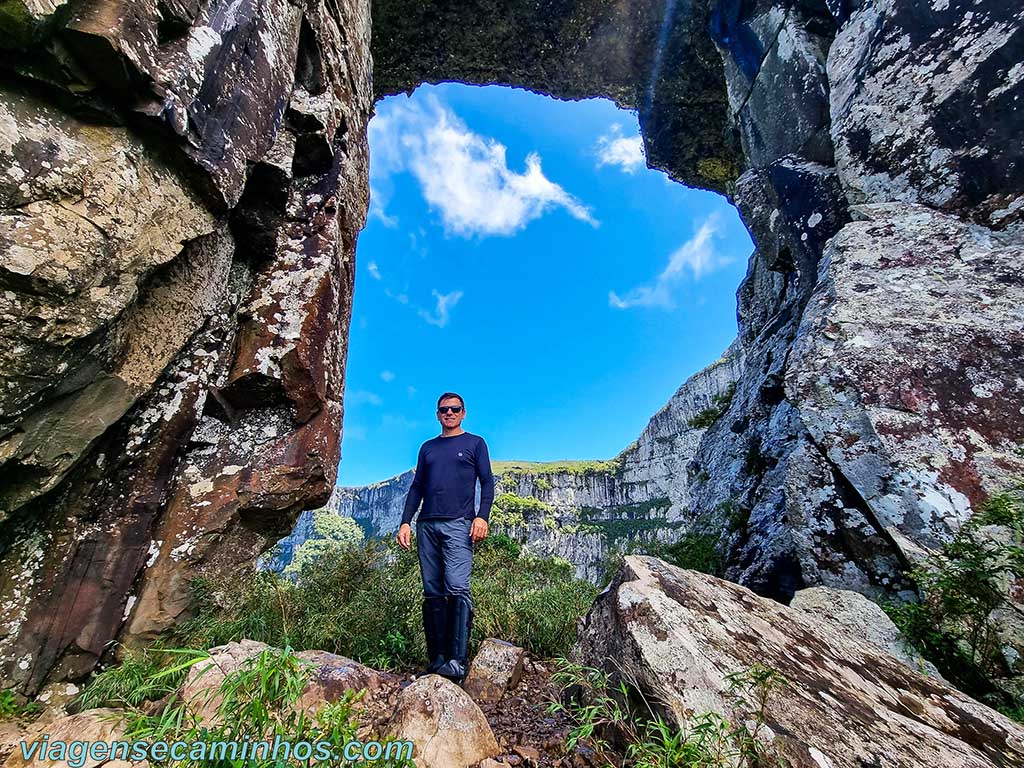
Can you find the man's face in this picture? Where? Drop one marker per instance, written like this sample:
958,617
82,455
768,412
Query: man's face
448,418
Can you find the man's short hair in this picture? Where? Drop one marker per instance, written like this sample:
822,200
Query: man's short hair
448,395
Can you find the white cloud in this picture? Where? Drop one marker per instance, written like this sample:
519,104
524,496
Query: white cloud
374,270
378,202
411,390
627,152
463,175
696,256
445,301
387,375
362,396
401,298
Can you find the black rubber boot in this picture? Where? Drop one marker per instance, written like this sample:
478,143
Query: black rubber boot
461,623
435,628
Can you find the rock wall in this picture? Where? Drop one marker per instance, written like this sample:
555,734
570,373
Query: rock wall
182,187
183,183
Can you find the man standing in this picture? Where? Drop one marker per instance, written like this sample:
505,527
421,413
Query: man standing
447,469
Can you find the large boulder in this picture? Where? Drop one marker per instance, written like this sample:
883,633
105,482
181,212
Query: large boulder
330,677
906,369
445,725
676,634
864,620
496,668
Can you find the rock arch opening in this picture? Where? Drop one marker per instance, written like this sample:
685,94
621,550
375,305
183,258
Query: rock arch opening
519,251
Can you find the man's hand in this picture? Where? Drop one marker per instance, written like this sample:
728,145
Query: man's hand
404,535
479,530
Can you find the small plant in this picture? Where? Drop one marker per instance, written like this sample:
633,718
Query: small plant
719,405
145,674
600,708
961,585
12,709
754,461
737,516
258,707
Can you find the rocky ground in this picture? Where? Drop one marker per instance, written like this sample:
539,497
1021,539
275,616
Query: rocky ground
526,733
851,693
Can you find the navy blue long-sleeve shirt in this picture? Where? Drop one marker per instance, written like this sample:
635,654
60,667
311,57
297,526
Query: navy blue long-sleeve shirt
446,472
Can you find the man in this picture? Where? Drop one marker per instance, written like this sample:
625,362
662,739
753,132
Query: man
447,469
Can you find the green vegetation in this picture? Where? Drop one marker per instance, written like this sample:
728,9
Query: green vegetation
542,484
329,531
754,461
142,675
258,702
695,551
583,467
737,516
11,708
512,511
364,602
616,530
631,511
719,405
961,585
600,709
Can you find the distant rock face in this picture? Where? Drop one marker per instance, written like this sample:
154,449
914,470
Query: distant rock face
182,186
676,634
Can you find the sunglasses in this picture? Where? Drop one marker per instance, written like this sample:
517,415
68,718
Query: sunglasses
452,408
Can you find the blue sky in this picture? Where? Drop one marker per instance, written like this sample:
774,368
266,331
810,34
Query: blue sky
519,252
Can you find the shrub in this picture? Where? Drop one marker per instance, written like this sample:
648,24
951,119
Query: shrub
695,551
961,585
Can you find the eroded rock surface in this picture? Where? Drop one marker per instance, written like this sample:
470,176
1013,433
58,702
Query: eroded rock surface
864,620
445,726
676,634
176,286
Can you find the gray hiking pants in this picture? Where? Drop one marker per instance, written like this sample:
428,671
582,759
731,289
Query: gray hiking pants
446,556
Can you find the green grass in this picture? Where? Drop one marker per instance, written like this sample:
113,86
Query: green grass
364,602
599,704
